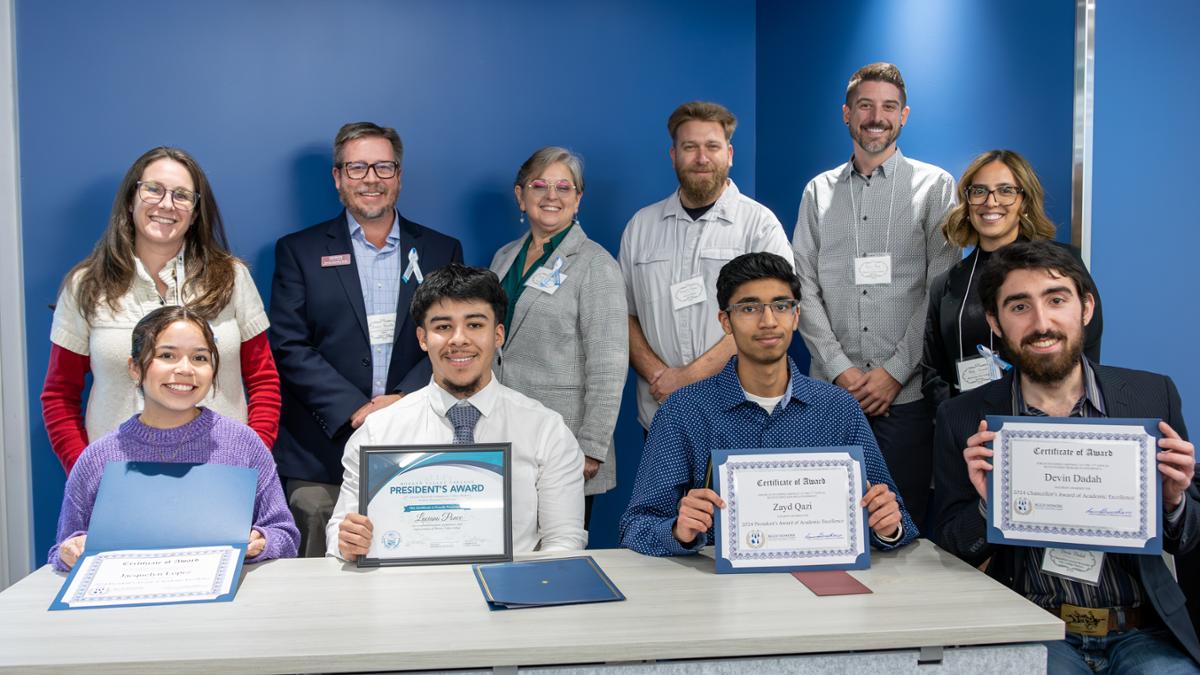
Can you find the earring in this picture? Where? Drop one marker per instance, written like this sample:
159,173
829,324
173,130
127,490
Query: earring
575,218
522,217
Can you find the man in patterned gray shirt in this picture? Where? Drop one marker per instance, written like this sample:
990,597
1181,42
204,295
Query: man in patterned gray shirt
867,243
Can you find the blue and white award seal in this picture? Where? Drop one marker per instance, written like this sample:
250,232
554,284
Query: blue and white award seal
437,504
789,509
1075,483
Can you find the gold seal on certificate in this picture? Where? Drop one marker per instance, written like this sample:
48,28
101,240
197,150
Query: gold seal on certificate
790,509
436,504
1084,483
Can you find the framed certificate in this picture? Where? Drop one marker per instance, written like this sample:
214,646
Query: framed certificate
437,504
1083,483
789,509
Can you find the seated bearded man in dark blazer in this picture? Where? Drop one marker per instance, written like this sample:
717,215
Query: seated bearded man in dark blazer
1038,298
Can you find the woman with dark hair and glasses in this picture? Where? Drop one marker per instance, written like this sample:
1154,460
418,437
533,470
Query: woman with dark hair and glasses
566,329
164,245
1000,201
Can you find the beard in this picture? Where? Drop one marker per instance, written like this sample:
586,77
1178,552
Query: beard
702,189
1046,368
463,390
350,200
874,146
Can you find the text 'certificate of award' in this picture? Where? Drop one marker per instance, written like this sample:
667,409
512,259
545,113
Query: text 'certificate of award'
114,578
789,509
1085,483
437,504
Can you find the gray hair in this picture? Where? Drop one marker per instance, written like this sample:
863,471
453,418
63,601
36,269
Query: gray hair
356,130
551,154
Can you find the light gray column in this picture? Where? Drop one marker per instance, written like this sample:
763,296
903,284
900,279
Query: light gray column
1081,155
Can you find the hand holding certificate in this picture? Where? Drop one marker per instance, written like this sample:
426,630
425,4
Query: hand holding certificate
794,509
1085,483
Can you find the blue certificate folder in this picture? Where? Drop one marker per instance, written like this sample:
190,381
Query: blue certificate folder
1153,535
539,583
811,559
157,505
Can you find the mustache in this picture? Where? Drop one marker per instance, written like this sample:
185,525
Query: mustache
1034,337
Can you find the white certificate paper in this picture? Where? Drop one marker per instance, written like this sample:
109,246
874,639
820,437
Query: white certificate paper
791,510
162,576
1093,485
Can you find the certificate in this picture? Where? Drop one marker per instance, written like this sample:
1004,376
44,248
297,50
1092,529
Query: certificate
437,504
114,578
1084,483
790,509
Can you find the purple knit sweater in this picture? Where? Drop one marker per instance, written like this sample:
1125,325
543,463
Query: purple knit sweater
208,439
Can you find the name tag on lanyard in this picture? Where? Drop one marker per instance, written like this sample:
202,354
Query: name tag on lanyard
873,270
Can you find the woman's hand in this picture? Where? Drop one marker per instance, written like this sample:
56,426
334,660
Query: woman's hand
256,545
71,550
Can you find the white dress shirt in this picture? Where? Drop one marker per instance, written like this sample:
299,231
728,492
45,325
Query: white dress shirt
547,464
662,246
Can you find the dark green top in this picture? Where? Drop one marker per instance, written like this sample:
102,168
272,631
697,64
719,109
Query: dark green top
514,281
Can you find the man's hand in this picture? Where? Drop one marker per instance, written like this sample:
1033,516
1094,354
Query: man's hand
378,403
978,458
256,545
1177,464
354,536
883,511
875,391
70,550
591,467
668,381
696,511
849,378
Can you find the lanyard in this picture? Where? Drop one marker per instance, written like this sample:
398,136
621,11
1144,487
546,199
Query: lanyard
887,247
966,295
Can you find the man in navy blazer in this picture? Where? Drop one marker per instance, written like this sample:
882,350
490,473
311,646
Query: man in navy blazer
341,333
1038,298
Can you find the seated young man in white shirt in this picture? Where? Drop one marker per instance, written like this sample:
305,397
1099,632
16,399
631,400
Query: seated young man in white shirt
457,311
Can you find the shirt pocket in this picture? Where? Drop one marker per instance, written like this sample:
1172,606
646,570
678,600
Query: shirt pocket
652,275
711,262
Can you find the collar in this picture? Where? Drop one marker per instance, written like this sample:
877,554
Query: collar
731,394
723,208
356,231
170,271
887,169
552,245
484,400
1091,391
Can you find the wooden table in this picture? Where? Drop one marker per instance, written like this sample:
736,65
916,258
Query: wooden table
319,615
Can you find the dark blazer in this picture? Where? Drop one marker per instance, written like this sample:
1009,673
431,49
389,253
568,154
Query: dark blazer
319,337
961,529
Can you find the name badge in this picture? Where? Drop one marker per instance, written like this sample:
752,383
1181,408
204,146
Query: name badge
1074,564
973,372
382,328
688,293
545,280
335,260
873,270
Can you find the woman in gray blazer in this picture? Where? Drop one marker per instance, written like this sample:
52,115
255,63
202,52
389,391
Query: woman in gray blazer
566,337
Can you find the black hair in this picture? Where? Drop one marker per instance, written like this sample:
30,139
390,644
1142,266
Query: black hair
1031,255
751,267
458,282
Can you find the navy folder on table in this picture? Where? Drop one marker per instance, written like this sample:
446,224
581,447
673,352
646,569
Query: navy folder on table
539,583
160,505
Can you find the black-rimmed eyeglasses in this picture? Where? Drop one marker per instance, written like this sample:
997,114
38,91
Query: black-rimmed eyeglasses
1006,195
358,170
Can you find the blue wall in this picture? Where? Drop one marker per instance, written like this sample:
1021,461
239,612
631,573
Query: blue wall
1145,229
257,90
979,75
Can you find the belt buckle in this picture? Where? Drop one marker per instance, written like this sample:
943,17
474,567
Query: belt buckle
1085,620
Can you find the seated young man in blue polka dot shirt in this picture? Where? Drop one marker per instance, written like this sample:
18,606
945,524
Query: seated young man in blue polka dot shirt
759,400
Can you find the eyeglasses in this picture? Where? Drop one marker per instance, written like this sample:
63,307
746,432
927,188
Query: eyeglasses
540,187
358,170
153,192
1006,195
754,309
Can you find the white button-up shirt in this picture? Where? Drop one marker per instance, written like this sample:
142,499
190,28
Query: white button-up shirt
662,245
547,464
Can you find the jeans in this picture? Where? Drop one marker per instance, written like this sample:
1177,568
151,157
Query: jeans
1147,650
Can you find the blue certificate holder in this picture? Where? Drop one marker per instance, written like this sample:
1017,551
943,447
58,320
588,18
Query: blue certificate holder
541,583
437,504
153,511
1075,482
792,525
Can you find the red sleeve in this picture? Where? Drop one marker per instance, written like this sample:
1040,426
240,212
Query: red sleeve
62,404
262,388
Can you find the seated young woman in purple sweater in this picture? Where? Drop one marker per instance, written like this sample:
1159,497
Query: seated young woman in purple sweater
174,362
